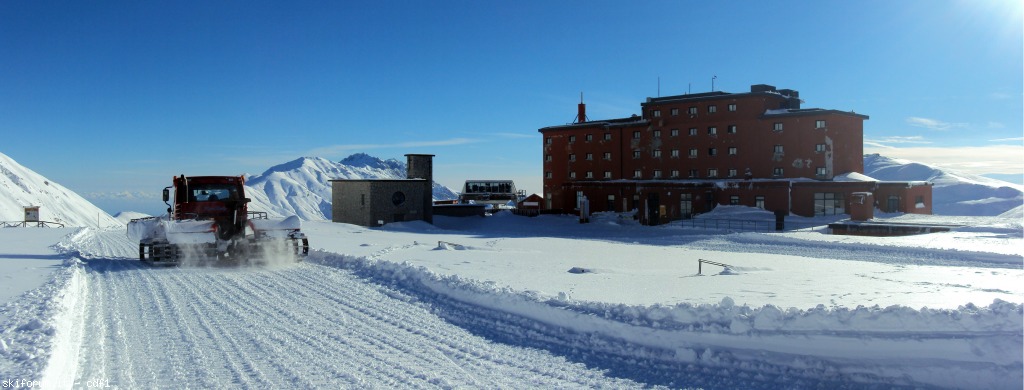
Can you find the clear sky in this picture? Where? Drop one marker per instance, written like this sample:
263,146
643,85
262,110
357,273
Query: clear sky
118,96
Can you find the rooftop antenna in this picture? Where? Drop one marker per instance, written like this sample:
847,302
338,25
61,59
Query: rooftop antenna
581,113
713,83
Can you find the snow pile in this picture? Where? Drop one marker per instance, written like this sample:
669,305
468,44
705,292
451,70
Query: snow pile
21,187
302,187
898,346
30,324
954,193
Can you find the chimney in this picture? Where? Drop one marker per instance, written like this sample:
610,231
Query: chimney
421,166
581,111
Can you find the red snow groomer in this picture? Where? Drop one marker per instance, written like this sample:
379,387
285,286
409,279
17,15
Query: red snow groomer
209,220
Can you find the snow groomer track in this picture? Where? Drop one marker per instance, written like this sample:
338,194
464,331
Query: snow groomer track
342,322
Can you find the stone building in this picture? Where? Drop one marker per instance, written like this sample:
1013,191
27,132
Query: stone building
375,202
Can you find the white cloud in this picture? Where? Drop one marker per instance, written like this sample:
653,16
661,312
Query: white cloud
338,150
978,160
933,124
885,142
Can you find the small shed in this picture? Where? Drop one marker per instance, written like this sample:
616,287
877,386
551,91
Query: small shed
31,213
530,205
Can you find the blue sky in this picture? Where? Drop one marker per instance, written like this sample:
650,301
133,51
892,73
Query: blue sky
111,97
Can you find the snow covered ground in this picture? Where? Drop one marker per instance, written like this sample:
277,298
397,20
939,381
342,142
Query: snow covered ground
509,301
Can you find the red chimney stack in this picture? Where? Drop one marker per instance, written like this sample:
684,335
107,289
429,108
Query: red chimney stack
581,111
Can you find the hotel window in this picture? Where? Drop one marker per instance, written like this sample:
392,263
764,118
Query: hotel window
712,131
607,174
778,149
759,202
693,173
572,157
777,172
547,175
675,153
712,109
572,139
675,112
590,137
636,154
828,203
572,175
821,172
657,173
712,152
657,113
732,150
547,158
693,152
590,175
675,173
657,133
548,140
590,157
819,124
732,129
693,110
656,153
675,132
819,148
732,172
712,172
734,200
777,126
636,174
608,156
607,136
636,135
732,107
693,131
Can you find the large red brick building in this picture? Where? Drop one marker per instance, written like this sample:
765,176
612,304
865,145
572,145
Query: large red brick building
686,154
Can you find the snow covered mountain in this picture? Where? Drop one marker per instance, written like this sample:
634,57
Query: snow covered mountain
21,187
302,187
954,193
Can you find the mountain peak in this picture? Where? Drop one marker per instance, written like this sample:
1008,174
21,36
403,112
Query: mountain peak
363,160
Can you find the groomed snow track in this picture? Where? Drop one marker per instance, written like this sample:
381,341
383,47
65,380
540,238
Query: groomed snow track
342,322
302,326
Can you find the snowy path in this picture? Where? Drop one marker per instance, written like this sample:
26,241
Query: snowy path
358,322
303,326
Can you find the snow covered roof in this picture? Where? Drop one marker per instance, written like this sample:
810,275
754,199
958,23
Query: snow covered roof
853,176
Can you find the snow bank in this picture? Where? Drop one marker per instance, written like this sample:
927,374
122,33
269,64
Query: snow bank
977,347
37,331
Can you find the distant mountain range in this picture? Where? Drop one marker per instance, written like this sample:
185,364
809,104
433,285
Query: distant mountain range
953,193
21,187
302,187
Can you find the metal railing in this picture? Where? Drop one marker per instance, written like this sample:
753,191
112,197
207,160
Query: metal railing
749,225
11,224
701,262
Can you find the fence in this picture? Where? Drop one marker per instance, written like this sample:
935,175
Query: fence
750,225
9,224
701,262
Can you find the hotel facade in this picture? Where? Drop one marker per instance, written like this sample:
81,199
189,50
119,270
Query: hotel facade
686,154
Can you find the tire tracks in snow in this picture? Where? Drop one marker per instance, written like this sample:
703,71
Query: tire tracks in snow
299,326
